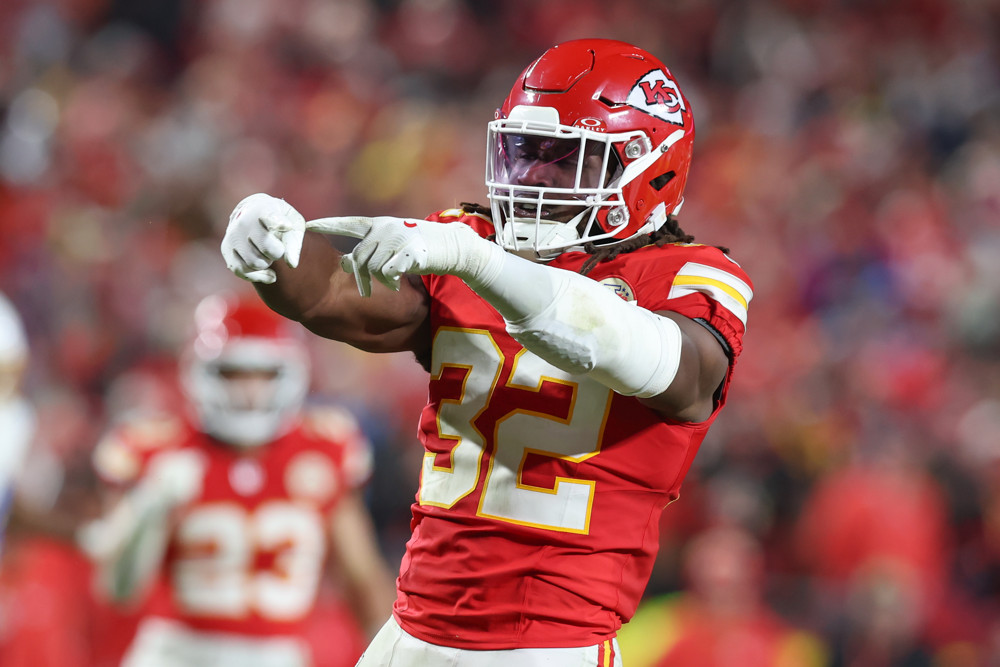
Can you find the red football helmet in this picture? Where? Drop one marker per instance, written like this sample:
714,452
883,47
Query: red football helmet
593,144
246,372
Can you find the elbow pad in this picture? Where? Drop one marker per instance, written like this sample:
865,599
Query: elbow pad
583,328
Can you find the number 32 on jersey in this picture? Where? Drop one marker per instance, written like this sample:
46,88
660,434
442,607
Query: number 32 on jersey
452,470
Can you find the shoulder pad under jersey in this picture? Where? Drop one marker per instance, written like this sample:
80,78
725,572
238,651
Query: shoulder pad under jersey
121,453
480,222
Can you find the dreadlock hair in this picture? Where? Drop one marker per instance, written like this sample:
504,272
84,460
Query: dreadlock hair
476,209
670,232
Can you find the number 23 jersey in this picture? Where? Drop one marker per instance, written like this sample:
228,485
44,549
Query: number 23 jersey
246,555
536,519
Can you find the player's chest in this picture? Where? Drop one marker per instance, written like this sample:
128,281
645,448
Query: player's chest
306,478
480,371
254,511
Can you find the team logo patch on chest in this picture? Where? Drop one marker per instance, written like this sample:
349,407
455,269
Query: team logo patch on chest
246,476
620,287
310,476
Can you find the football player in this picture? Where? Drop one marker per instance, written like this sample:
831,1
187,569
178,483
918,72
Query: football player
17,416
579,346
238,505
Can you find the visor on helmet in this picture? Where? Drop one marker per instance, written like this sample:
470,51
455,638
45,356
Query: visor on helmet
548,183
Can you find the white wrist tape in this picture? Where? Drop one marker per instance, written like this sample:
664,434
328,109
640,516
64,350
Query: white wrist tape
581,326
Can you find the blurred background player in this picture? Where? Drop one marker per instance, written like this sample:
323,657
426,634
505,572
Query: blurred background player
46,607
17,417
239,505
579,344
846,151
721,616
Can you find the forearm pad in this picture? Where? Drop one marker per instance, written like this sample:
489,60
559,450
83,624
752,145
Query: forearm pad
128,545
580,326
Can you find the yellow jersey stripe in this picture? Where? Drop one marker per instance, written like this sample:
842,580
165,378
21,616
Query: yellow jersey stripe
710,282
721,275
728,290
714,293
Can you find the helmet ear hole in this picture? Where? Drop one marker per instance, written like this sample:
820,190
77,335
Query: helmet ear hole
609,103
661,181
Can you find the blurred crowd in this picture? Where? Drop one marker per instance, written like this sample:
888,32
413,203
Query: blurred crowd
847,153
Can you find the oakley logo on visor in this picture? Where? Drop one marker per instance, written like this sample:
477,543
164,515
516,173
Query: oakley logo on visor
658,96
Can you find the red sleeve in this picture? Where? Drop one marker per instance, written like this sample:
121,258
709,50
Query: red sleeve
478,221
123,453
700,282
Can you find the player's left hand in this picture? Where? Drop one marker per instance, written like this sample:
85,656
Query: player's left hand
391,246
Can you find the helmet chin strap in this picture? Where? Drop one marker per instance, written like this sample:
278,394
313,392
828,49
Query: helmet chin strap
246,429
565,234
657,218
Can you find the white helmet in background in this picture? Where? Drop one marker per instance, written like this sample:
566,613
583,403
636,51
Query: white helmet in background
246,372
13,349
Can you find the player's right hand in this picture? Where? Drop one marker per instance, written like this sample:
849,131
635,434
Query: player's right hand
390,247
261,230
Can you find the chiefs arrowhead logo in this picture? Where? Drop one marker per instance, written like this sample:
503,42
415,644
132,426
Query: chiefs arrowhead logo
657,94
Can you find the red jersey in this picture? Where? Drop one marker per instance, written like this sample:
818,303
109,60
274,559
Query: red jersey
536,520
247,554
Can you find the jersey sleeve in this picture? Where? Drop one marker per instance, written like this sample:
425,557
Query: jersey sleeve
478,221
703,284
124,451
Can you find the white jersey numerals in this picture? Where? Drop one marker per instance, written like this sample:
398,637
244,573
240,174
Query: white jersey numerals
522,431
234,562
445,485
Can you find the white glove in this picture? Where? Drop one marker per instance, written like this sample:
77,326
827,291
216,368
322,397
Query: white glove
390,247
175,477
262,229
